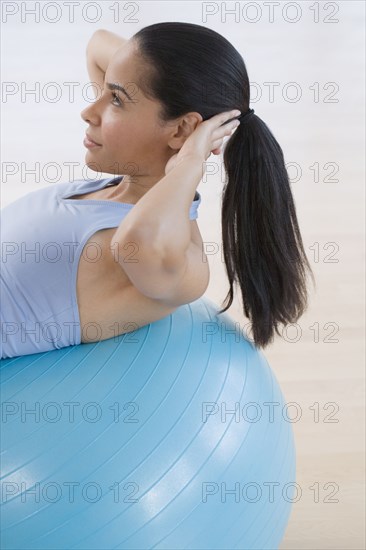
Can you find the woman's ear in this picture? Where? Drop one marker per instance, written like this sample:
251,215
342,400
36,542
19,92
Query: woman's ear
183,128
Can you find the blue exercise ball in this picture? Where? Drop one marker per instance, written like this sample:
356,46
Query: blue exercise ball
169,437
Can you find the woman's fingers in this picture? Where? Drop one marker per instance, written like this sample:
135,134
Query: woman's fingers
223,118
220,133
228,122
226,128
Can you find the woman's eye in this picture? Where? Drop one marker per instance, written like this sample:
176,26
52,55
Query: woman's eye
115,97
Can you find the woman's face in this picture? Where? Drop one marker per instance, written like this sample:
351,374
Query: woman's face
131,140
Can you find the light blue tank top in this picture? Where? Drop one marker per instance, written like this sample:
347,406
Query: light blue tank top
42,237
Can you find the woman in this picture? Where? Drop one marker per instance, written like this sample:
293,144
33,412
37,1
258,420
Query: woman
170,95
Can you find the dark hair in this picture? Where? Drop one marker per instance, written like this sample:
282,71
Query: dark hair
193,68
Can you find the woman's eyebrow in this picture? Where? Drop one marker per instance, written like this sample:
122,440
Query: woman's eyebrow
113,86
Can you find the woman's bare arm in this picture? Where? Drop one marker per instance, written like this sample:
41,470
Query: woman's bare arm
99,51
164,262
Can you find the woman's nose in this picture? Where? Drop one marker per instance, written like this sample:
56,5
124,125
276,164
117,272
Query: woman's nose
84,114
87,113
91,112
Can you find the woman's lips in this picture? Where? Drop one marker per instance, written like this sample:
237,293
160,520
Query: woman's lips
89,143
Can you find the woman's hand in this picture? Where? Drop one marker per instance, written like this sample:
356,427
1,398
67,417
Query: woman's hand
207,138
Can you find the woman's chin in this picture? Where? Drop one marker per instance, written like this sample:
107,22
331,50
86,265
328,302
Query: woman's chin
95,166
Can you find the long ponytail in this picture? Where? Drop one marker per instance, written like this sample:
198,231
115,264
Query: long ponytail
262,244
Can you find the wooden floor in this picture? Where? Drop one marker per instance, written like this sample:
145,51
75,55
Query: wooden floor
324,370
